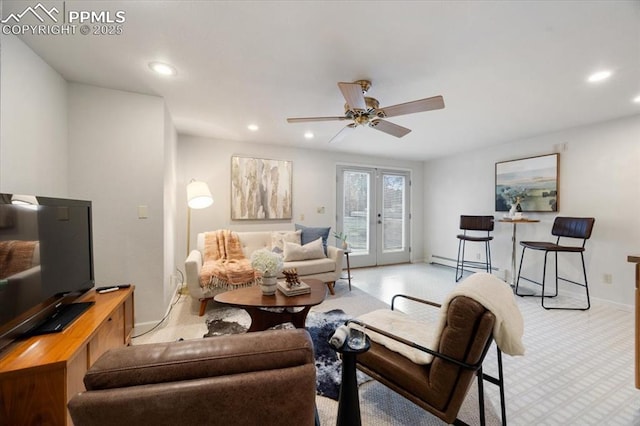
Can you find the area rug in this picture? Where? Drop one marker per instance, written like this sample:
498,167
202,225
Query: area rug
320,326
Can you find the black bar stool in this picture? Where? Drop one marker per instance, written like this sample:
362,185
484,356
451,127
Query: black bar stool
567,227
476,226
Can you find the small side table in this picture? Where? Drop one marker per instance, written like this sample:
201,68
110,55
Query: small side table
348,401
513,244
348,277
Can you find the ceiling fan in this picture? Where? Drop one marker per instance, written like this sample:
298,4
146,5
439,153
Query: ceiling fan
363,110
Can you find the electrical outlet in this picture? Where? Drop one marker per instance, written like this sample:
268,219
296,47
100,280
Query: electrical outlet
302,217
607,278
477,256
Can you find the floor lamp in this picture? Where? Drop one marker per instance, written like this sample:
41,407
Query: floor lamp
198,197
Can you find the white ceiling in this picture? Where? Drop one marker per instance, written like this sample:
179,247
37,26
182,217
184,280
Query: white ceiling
507,70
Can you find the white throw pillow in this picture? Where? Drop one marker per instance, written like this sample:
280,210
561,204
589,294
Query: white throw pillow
312,250
278,238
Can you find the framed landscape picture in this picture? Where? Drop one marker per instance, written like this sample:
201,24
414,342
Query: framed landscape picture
260,188
530,182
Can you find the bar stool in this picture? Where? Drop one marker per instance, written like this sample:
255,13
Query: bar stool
566,227
476,226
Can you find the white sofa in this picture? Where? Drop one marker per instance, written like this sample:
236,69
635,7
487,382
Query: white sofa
327,269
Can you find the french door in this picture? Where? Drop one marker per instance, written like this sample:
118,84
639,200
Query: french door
373,211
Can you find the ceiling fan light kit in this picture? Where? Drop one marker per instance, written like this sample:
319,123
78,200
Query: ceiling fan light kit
364,110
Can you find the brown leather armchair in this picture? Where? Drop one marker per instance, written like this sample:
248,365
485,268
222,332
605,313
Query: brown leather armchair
265,378
441,386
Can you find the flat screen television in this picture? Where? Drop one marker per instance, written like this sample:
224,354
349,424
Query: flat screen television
46,263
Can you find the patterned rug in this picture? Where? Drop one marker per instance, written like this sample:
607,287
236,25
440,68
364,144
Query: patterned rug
320,326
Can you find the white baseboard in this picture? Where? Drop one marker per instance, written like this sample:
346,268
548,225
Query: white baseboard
444,261
501,273
615,305
451,263
143,327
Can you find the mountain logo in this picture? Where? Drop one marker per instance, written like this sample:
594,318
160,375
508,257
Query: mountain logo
38,11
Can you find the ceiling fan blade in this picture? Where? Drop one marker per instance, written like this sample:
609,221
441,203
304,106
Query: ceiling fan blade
307,119
352,93
428,104
343,133
389,128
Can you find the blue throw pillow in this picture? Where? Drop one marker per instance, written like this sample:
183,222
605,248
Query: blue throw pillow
310,234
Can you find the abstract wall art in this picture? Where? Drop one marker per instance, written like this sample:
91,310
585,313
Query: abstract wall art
260,188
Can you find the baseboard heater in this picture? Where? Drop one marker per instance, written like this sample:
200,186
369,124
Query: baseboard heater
451,263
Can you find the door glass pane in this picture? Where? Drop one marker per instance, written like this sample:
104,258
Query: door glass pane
393,205
356,210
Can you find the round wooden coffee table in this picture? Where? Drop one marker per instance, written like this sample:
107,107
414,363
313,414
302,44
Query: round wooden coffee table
254,302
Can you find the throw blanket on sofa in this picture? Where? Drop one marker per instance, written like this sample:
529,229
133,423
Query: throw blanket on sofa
224,264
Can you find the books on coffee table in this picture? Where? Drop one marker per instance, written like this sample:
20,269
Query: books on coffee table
294,291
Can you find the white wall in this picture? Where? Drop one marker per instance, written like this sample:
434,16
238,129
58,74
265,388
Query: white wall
314,185
116,159
599,177
169,196
115,148
33,118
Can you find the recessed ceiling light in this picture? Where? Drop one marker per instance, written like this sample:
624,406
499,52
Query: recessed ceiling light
599,76
162,68
253,127
637,99
308,135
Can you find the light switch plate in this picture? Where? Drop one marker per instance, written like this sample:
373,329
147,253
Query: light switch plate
143,212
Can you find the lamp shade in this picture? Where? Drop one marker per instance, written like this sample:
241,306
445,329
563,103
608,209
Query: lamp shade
198,195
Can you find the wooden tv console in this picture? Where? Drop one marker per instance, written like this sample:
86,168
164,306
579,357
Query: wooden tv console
39,375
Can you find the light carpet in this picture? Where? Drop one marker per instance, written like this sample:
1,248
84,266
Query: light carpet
380,406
